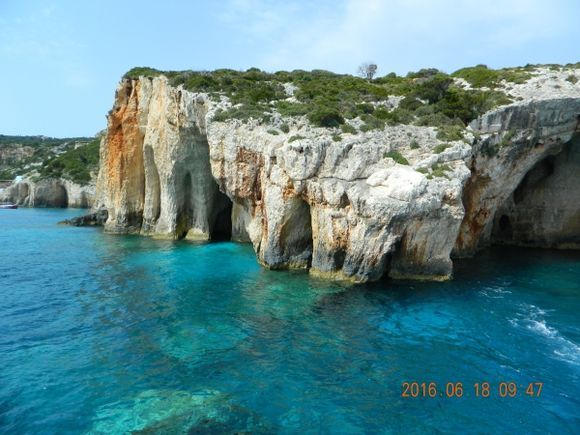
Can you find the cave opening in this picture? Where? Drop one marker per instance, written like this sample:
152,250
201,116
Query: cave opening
543,210
185,217
62,197
221,227
505,227
540,172
296,234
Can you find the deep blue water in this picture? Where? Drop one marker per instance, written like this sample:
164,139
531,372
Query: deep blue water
113,334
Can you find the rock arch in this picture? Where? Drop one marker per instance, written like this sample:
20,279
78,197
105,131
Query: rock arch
544,209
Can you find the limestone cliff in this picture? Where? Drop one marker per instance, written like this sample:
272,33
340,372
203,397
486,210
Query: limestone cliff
343,206
523,190
51,192
39,171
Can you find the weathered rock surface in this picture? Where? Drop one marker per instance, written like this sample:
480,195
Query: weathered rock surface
544,210
515,139
49,193
16,154
96,219
339,208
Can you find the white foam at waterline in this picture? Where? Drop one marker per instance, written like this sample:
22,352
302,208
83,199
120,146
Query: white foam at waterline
567,350
541,328
495,292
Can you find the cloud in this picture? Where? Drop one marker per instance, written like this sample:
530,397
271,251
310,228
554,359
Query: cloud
257,18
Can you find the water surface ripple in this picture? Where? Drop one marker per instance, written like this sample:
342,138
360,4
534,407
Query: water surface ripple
117,334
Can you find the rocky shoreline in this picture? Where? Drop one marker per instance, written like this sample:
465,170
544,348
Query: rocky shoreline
51,192
342,208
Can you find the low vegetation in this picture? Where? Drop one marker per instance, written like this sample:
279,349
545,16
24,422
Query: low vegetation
347,128
23,154
75,164
439,171
431,97
441,147
295,138
397,157
450,132
481,76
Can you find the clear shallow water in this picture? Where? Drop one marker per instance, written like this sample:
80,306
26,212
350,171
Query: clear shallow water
111,334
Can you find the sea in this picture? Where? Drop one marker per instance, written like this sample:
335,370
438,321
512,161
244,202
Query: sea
109,334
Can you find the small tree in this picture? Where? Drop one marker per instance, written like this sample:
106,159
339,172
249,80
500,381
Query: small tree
367,70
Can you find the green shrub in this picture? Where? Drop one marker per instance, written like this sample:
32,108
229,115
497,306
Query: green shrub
480,76
398,116
572,79
142,71
441,147
291,109
450,132
468,105
273,132
75,164
415,145
410,103
365,108
347,128
371,123
381,113
243,113
440,170
397,157
425,110
489,149
325,117
516,75
434,120
295,138
327,99
434,88
6,174
285,128
424,73
507,138
336,137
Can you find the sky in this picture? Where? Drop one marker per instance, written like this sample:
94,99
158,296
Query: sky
61,60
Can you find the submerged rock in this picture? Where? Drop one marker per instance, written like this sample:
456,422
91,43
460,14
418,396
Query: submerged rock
177,412
191,342
96,219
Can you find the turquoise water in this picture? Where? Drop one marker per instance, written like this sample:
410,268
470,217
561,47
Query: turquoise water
113,334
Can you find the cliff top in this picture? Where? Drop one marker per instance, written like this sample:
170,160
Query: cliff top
428,97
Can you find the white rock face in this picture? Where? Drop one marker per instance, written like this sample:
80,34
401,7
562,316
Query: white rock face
49,193
155,175
342,209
